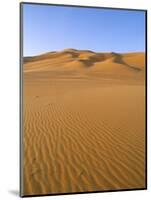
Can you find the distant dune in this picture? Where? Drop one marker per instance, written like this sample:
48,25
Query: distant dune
84,122
85,59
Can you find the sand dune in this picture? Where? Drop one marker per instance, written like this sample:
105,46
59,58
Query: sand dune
88,64
84,122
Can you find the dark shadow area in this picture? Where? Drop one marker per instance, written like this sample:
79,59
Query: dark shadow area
118,59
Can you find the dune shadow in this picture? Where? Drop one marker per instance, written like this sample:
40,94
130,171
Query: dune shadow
119,59
87,63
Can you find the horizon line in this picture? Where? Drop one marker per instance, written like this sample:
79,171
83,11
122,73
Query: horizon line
74,49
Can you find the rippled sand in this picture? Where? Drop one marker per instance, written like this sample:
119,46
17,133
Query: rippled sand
84,122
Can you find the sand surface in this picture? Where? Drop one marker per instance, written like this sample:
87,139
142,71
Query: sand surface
83,122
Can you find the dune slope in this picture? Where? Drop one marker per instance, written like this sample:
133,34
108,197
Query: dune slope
84,122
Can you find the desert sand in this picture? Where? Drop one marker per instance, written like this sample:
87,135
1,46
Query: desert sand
84,122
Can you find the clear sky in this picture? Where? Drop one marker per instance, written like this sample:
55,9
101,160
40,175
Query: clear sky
52,28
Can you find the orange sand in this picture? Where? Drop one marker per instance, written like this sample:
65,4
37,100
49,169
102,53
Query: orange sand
84,122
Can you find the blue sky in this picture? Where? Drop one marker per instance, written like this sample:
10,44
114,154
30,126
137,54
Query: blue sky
52,28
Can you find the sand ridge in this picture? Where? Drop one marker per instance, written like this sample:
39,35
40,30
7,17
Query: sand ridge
84,122
68,57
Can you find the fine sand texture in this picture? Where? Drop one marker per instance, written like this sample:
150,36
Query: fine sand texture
83,122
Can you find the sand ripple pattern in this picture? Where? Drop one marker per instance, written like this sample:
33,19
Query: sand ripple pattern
83,122
84,140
